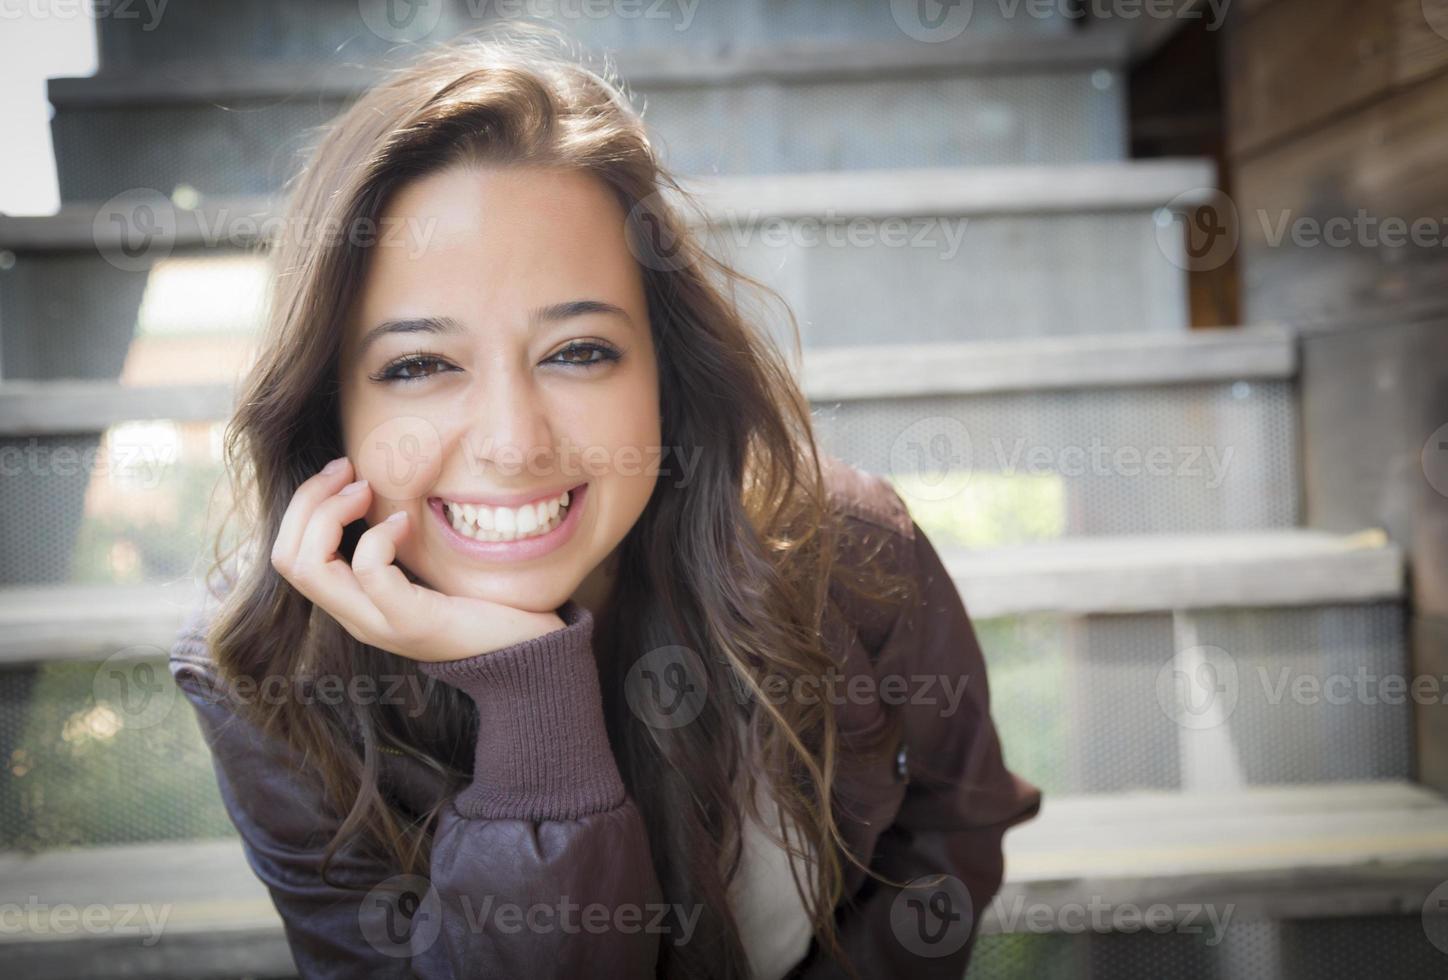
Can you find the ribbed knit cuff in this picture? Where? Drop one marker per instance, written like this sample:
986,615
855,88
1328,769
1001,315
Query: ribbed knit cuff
543,751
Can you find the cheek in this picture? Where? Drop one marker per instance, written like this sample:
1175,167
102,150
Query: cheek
401,457
612,434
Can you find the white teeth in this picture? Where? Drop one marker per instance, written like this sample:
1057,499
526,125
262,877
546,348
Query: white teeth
505,521
485,523
527,520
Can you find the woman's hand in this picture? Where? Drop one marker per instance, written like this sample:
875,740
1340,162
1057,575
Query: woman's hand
372,598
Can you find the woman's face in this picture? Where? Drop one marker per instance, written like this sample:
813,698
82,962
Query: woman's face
498,354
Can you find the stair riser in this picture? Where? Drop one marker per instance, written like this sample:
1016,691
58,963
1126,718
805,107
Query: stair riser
1076,700
1240,945
264,31
981,471
1005,468
867,281
47,713
948,277
252,145
1091,704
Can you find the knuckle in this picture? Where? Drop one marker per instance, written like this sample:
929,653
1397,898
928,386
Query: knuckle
301,571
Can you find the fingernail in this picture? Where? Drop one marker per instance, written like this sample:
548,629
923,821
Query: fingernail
398,515
334,465
353,487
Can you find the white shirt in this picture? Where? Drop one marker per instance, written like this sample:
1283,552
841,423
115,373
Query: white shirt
773,923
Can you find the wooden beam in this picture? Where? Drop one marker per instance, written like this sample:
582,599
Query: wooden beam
1160,573
35,408
1044,363
1291,852
1080,576
1299,852
1057,188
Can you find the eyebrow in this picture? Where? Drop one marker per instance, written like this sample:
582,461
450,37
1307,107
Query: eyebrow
552,313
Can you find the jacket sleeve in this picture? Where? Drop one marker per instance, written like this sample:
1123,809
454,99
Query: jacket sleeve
540,867
959,800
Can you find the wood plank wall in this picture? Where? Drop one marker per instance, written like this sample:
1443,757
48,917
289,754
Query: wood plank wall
1337,110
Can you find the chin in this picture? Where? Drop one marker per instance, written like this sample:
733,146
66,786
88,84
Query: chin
540,592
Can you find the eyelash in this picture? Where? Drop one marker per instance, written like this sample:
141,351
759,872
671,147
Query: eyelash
391,373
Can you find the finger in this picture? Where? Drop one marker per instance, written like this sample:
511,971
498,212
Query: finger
312,492
425,624
323,576
411,610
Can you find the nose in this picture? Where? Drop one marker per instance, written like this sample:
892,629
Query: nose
508,430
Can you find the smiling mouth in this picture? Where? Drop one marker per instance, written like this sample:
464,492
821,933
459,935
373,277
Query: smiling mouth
483,522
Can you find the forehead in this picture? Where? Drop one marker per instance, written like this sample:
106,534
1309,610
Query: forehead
508,239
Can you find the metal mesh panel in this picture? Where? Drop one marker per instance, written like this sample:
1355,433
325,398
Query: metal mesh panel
751,22
252,146
1323,949
983,277
272,31
244,30
238,147
134,506
76,315
86,766
1048,464
1341,724
1073,699
67,316
1078,706
887,123
44,503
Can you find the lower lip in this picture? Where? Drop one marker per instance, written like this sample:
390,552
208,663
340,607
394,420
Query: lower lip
518,550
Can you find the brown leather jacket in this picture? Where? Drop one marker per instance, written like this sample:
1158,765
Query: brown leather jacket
541,868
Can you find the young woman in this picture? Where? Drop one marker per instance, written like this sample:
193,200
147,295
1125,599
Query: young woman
553,646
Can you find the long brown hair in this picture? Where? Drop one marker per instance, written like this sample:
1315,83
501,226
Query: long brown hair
736,566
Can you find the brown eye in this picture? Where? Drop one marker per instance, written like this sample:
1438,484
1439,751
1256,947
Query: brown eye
585,355
413,367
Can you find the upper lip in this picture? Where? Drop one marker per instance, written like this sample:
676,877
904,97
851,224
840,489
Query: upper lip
504,499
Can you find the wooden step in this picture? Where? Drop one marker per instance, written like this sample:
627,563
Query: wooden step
835,374
227,128
1337,849
926,192
1294,852
1155,573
